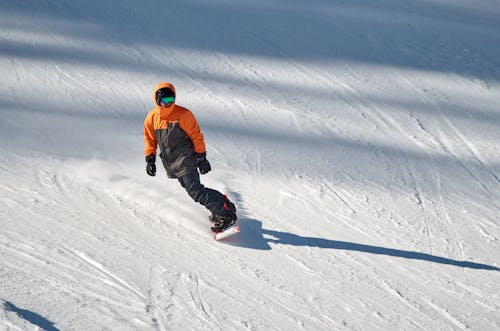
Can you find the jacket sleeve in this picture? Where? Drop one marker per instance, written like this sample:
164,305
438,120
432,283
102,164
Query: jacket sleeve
149,135
190,125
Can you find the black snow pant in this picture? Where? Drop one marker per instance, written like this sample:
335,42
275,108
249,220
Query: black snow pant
212,200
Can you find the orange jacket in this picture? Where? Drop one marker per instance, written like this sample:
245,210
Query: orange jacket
175,130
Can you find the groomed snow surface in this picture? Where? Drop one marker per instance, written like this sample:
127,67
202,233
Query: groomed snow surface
360,141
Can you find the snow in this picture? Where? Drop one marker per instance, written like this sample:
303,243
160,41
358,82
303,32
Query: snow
359,140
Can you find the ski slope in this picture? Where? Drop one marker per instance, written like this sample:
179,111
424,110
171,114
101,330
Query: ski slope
360,141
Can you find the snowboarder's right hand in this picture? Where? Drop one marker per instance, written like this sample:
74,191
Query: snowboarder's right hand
151,167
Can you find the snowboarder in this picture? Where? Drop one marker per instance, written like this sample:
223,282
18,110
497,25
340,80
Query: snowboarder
176,131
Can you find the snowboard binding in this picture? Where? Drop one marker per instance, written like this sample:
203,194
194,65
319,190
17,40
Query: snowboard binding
221,223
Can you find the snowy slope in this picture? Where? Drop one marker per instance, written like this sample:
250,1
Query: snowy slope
359,139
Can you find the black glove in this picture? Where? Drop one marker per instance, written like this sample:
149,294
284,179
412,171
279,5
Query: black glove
203,163
151,167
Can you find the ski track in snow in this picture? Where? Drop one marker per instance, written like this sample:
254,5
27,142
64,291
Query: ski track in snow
360,147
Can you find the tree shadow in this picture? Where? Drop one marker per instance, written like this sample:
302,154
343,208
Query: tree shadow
253,236
31,317
380,32
424,35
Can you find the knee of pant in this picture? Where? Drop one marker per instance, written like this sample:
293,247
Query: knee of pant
197,195
195,191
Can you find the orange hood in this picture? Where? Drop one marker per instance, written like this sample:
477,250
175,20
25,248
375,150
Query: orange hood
164,110
162,85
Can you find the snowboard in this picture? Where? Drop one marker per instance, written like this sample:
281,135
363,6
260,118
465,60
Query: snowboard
230,231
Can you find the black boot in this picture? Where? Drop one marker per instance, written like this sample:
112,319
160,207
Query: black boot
226,219
220,224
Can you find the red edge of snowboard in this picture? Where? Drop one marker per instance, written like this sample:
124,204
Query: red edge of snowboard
227,233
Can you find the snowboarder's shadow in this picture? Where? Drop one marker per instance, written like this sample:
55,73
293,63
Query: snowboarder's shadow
253,236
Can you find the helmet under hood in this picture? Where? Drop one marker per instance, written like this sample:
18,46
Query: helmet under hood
163,90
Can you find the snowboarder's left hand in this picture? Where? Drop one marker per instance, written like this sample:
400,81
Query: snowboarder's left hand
203,163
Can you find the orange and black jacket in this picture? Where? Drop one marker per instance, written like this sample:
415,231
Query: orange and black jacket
175,130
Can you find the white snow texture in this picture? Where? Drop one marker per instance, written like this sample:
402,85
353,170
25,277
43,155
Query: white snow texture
359,140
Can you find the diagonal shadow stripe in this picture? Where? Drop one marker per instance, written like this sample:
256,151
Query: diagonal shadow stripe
31,317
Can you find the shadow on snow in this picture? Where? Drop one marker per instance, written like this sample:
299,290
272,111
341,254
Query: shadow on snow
31,317
423,35
253,236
